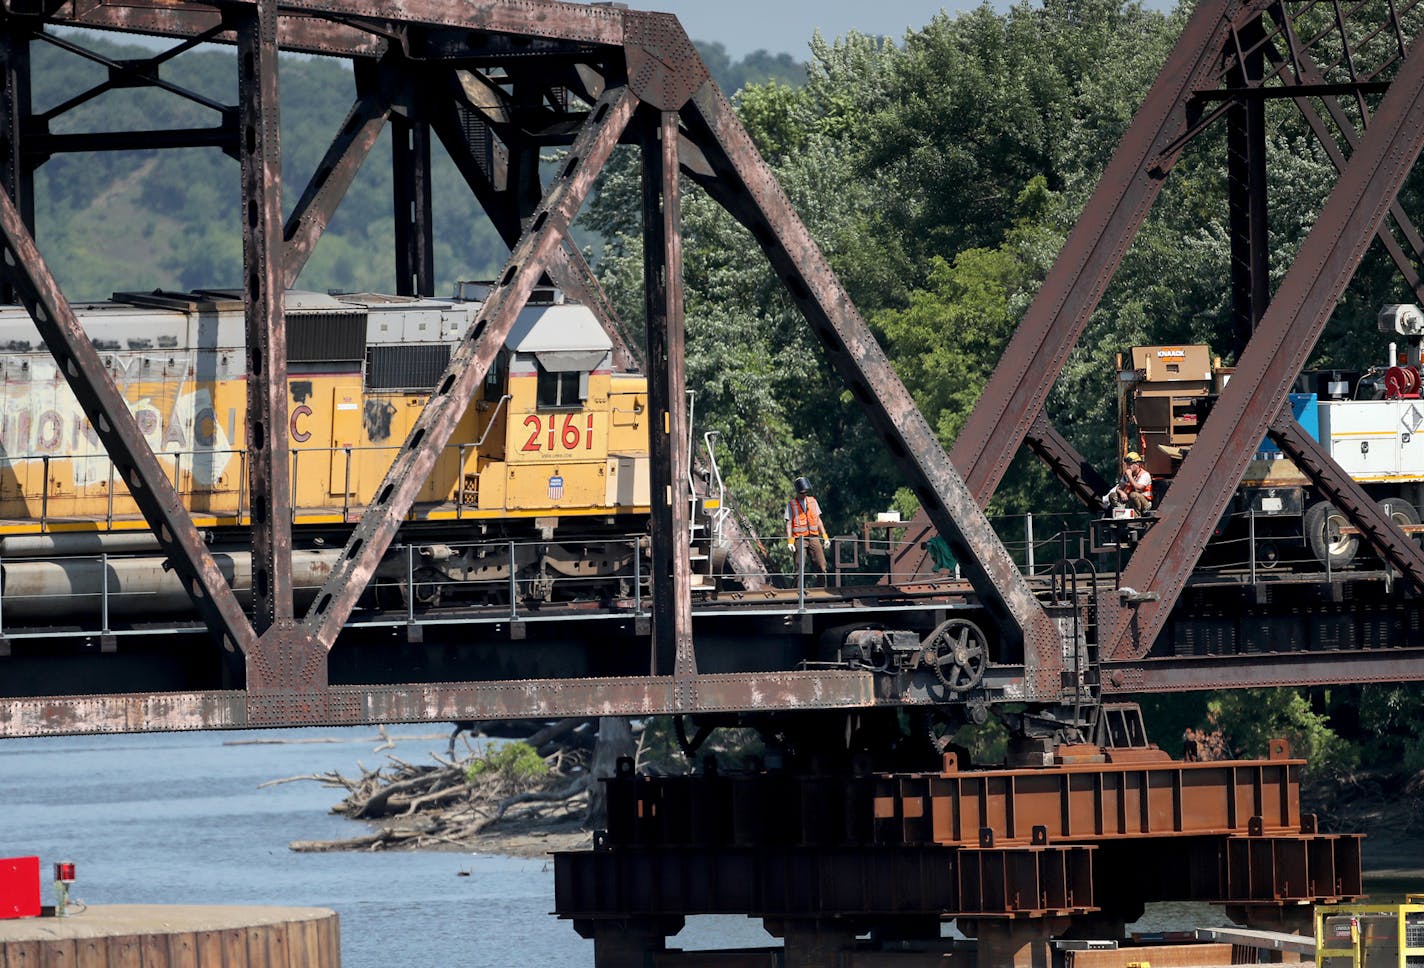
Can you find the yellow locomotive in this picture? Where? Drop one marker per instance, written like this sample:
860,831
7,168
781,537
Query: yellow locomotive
553,442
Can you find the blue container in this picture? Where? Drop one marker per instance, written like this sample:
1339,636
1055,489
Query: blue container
1305,407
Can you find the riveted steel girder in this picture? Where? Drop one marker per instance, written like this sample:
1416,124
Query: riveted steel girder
1287,334
468,364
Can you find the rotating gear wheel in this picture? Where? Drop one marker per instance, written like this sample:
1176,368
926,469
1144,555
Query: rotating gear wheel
958,652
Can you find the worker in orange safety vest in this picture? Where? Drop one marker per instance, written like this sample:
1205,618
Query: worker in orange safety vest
803,520
1134,488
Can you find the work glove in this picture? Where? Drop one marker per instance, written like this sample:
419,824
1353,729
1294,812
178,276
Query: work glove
791,543
826,543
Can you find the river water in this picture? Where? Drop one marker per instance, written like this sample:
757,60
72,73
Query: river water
178,818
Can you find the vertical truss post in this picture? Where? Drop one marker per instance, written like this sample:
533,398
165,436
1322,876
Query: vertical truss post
1307,296
108,413
268,443
414,235
469,362
667,398
1246,189
16,175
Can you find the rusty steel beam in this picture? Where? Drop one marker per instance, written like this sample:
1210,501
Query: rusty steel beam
1070,467
1395,548
439,702
269,480
187,20
349,148
1263,671
1040,346
670,495
468,364
108,413
748,190
1250,402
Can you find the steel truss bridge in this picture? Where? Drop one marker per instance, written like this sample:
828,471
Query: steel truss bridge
495,84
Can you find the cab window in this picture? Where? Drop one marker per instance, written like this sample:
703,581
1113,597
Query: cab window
561,390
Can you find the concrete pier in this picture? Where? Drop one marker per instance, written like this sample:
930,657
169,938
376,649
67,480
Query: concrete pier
175,936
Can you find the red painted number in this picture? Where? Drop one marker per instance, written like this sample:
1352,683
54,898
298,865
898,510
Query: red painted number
533,442
568,437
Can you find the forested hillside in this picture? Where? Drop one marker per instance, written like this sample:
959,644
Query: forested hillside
140,220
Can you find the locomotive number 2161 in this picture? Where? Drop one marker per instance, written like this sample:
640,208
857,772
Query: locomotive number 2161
574,432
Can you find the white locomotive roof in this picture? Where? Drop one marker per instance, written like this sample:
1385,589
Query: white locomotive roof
563,337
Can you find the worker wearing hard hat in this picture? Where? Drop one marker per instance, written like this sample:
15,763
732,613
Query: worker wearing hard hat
1134,488
804,523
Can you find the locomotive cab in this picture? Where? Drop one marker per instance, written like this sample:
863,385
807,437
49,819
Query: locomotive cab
561,432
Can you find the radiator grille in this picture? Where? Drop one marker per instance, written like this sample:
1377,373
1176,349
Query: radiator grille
409,366
326,337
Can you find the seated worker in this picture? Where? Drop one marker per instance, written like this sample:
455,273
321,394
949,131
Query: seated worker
1134,488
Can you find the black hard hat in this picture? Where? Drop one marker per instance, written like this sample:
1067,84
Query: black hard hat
802,485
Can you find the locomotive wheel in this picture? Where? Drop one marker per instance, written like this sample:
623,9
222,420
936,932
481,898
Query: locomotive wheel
958,652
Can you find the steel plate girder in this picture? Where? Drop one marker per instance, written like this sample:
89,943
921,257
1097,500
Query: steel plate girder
436,703
108,413
1040,346
1304,301
1398,550
469,362
747,188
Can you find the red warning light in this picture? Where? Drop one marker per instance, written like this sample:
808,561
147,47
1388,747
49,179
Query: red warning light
64,871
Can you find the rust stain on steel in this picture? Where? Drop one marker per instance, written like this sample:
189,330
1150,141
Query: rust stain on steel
353,142
468,365
294,33
664,68
118,431
1039,348
535,18
747,188
1324,266
60,716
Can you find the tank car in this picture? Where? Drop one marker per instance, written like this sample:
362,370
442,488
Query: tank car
544,479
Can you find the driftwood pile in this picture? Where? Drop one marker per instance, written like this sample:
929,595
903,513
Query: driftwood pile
454,799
